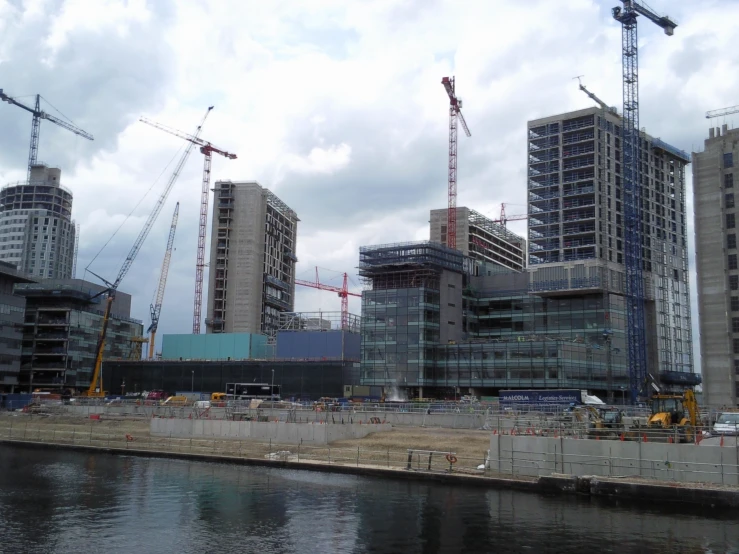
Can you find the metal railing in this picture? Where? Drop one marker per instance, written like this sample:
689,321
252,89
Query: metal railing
398,458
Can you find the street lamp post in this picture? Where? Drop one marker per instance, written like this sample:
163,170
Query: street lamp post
192,380
609,370
272,389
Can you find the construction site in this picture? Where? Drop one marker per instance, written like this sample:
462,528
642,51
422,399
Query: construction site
594,303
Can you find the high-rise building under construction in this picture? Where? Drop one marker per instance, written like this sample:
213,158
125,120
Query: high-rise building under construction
252,259
576,228
717,266
37,233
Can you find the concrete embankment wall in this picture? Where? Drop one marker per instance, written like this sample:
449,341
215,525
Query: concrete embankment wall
542,456
449,420
276,431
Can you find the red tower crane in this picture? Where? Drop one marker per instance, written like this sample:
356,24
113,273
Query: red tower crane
207,149
455,113
343,293
505,219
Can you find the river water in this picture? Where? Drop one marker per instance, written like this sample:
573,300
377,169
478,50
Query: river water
61,501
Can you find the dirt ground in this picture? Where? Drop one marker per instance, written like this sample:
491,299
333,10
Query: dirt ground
469,446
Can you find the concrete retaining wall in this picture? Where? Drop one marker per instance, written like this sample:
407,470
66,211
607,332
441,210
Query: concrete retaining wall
276,431
540,456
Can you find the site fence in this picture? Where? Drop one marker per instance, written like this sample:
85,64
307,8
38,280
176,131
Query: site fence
415,460
686,463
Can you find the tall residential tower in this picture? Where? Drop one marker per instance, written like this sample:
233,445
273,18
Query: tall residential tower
252,259
717,266
576,226
37,233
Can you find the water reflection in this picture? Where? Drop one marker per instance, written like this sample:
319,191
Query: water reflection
64,501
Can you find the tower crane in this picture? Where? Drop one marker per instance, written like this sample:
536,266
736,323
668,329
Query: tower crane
636,325
722,112
455,113
207,149
156,308
38,115
343,293
505,219
113,287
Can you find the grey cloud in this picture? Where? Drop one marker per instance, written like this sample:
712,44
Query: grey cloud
100,82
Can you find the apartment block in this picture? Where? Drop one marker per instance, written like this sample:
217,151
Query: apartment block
62,324
37,233
576,225
717,266
480,238
252,259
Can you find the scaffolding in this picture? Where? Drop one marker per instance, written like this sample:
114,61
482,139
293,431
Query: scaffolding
318,321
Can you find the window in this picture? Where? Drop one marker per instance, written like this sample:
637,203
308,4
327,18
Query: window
729,180
734,282
735,303
730,221
736,346
735,324
736,367
450,322
731,241
729,159
733,262
729,200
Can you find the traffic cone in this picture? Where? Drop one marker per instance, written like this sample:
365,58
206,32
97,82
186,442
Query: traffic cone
669,440
622,437
722,441
644,438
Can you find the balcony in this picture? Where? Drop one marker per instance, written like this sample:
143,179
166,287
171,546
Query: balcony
536,235
578,137
578,202
579,215
578,150
578,176
543,195
576,163
578,229
544,220
538,156
543,143
574,191
580,123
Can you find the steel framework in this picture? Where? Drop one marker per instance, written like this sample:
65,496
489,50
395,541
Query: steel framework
637,336
455,113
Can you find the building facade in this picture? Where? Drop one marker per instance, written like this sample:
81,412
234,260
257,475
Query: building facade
252,260
576,217
37,233
12,308
480,238
716,265
62,324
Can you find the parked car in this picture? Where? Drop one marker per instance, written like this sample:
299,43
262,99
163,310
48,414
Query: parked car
727,424
203,404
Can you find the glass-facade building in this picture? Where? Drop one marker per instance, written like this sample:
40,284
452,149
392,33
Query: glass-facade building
438,329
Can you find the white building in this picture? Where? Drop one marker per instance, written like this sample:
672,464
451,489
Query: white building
37,233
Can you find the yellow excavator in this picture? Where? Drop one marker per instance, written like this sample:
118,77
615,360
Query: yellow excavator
675,412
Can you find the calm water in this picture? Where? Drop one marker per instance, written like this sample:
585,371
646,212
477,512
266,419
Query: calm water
57,501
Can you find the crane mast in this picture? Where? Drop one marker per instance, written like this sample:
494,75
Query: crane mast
113,287
156,308
636,323
455,115
207,149
38,115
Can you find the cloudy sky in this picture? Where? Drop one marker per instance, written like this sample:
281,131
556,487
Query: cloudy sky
335,105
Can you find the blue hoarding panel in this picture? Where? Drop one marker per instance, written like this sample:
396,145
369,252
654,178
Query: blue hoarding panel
543,396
